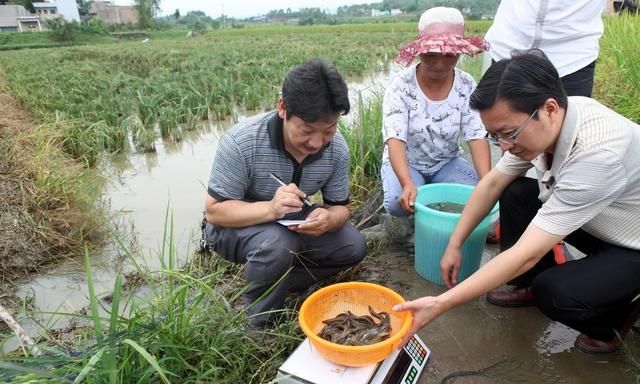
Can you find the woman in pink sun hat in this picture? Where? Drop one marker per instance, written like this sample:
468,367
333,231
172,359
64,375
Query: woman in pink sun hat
441,30
426,113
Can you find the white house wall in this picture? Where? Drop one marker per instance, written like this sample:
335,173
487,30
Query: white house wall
68,9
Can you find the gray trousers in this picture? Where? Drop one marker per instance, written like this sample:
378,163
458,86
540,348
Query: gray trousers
271,250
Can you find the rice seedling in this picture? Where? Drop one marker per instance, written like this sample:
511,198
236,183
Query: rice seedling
143,138
364,138
210,77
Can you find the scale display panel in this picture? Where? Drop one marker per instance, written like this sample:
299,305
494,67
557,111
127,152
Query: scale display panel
407,365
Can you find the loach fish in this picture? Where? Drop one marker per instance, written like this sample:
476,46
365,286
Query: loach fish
350,329
447,207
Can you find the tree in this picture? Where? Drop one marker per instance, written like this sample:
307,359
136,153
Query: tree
176,14
61,30
27,4
83,7
147,10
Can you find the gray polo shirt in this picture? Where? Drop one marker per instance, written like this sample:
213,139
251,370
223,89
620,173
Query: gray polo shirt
253,148
594,180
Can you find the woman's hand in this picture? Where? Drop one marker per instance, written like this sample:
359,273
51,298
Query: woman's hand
408,198
450,266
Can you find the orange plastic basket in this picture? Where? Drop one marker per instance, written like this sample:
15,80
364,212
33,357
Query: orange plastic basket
332,300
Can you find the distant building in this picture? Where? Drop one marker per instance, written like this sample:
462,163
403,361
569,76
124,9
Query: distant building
378,13
113,14
65,8
15,18
46,10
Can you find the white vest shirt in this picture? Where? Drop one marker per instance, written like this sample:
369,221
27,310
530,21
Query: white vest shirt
567,31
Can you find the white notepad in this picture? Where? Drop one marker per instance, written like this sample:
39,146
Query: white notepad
287,223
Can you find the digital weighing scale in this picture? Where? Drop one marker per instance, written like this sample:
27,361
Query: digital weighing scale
308,366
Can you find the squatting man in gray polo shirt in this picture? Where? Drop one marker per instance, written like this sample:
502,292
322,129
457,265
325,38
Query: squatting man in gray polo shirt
587,193
299,144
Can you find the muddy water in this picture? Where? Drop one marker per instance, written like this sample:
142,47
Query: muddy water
141,188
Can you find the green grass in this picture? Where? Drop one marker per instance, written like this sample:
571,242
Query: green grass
23,40
617,81
364,138
190,329
99,94
58,210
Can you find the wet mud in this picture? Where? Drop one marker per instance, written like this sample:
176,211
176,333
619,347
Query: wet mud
481,343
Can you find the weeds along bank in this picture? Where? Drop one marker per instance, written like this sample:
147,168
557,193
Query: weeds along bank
617,82
45,197
189,328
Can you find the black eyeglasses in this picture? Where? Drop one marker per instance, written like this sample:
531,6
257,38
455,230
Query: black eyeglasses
509,139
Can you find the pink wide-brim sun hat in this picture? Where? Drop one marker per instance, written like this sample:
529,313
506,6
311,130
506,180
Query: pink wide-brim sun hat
441,30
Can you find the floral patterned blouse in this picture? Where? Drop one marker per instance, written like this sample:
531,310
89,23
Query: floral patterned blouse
431,129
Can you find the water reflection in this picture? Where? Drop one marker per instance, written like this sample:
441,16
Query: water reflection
556,338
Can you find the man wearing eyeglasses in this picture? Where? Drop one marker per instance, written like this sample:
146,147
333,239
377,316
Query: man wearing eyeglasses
587,193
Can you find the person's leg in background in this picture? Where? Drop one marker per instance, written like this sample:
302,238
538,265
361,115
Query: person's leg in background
518,206
397,224
580,82
458,171
392,189
593,295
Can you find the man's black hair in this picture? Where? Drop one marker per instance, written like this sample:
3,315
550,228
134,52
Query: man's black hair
315,91
525,81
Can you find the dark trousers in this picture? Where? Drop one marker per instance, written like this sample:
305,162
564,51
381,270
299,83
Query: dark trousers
592,295
578,83
271,253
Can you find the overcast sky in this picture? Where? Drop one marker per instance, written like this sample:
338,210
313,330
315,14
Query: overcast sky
245,8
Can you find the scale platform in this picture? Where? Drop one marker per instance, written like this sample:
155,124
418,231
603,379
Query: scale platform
307,366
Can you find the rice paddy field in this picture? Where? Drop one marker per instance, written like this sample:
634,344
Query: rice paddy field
119,97
98,95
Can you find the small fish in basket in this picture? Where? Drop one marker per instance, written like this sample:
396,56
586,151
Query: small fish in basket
350,329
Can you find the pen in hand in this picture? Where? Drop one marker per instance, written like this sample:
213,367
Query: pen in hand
276,178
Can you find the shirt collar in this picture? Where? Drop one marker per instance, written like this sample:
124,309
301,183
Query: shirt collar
567,137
